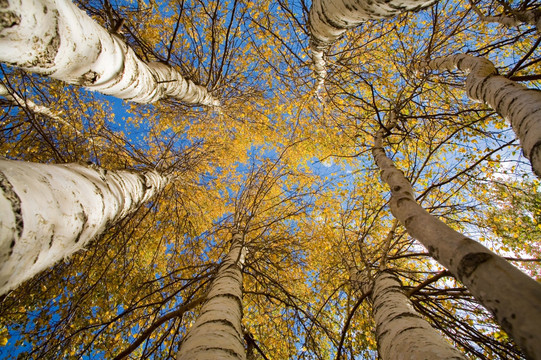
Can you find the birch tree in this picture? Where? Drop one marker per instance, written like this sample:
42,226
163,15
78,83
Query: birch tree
329,19
14,98
359,237
56,39
516,103
510,17
217,332
512,296
260,205
401,332
142,293
49,212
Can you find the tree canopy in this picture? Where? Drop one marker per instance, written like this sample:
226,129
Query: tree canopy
288,157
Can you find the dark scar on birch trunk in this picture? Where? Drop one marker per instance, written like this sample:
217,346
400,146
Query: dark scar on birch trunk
470,262
9,193
9,19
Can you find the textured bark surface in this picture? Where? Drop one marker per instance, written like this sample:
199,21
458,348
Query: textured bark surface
516,103
56,39
513,297
401,332
48,212
361,280
329,19
217,332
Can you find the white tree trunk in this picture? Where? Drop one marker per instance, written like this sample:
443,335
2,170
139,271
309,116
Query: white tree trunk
217,332
48,212
401,332
513,297
516,103
329,19
56,39
30,105
532,17
37,109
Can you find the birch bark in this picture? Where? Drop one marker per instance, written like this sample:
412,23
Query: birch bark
532,17
56,39
48,212
217,332
329,19
513,297
37,109
516,103
30,105
401,333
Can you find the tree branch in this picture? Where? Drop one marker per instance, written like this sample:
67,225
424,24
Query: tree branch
428,282
347,323
145,334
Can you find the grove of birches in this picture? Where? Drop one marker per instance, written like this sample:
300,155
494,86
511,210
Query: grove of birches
271,179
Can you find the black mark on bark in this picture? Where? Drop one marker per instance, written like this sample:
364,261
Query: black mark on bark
8,19
84,218
9,193
506,325
89,78
408,220
51,240
470,262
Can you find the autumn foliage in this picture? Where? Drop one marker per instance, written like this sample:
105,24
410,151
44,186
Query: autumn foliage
289,168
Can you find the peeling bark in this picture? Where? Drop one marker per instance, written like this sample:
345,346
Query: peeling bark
217,332
55,38
48,212
516,103
329,19
401,332
513,297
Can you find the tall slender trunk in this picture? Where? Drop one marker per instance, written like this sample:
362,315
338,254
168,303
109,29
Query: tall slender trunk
48,212
329,19
56,39
217,332
30,105
515,18
401,332
516,103
37,109
513,297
